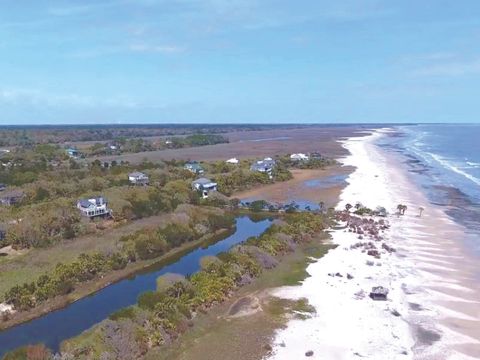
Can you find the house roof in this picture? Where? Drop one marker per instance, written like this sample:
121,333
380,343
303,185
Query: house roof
266,163
12,194
137,174
193,165
97,201
203,181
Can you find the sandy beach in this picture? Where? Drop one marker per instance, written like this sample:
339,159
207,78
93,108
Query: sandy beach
433,305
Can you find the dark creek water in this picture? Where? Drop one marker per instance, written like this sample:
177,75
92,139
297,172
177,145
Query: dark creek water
70,321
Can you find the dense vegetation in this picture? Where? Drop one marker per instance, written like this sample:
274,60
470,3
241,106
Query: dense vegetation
162,315
140,245
135,145
47,212
32,135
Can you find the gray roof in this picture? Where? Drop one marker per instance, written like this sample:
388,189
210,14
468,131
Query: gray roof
137,174
202,181
12,194
263,164
85,203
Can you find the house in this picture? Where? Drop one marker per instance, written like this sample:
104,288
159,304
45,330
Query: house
11,197
194,167
233,161
3,187
299,157
138,178
316,156
92,207
72,152
265,166
379,293
204,185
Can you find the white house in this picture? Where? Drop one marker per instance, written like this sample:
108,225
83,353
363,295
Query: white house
138,178
204,185
299,157
234,161
96,206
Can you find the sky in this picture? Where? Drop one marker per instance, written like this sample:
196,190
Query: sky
219,61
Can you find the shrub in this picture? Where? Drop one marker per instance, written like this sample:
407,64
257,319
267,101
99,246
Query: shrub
125,313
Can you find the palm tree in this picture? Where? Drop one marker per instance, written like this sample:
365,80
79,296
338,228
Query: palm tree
348,207
321,205
420,209
399,208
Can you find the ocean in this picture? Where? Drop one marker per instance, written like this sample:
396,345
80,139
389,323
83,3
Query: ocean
444,160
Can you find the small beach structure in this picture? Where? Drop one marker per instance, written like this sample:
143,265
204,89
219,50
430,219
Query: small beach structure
299,157
379,293
204,185
138,178
233,161
194,167
96,206
265,166
11,197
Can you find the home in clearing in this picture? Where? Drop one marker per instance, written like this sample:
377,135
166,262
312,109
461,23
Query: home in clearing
138,178
204,185
11,197
299,157
264,166
194,167
73,153
96,206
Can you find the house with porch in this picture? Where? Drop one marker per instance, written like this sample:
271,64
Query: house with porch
264,166
204,185
138,178
96,206
194,167
73,153
11,197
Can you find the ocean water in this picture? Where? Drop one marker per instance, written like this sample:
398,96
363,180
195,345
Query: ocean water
445,161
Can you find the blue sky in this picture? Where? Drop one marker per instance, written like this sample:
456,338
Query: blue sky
126,61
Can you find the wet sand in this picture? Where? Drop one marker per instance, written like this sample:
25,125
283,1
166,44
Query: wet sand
307,185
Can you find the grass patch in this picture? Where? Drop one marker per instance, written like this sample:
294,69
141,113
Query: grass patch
125,313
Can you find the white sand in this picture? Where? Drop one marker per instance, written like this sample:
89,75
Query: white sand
429,269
